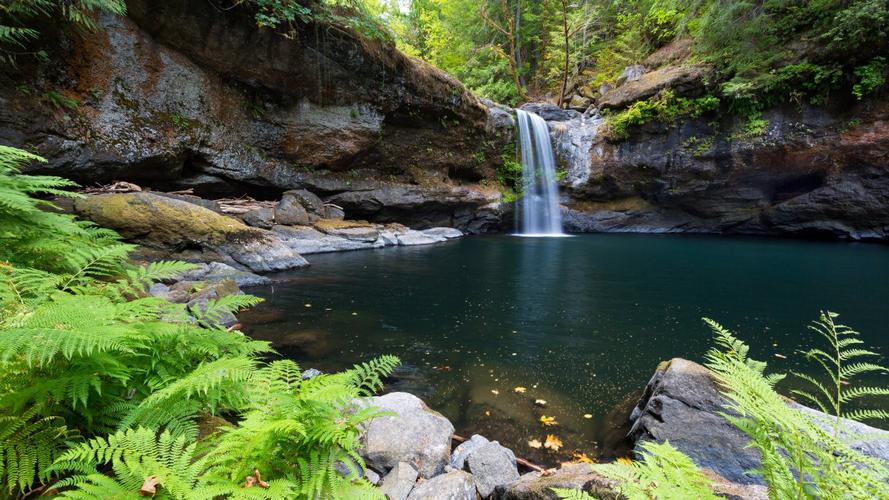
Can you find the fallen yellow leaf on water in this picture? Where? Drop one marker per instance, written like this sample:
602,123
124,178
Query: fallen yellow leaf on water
581,458
587,415
548,421
552,442
520,389
625,461
495,392
487,413
540,402
535,443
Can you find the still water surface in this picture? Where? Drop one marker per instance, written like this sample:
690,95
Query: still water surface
579,322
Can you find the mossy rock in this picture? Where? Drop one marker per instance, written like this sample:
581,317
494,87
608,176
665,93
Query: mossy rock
162,221
177,225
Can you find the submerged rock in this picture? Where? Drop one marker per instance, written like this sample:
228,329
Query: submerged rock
218,271
399,482
455,485
416,435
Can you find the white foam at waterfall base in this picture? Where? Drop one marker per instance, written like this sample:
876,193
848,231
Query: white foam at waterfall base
538,207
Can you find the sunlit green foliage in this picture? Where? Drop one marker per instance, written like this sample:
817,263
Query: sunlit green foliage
665,107
85,354
804,455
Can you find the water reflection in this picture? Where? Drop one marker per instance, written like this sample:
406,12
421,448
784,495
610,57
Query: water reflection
579,322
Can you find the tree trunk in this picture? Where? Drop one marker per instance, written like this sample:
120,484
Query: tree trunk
567,52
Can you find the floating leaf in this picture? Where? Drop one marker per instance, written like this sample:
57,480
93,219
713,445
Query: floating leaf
495,392
520,389
581,458
548,421
540,402
552,442
535,443
625,461
588,415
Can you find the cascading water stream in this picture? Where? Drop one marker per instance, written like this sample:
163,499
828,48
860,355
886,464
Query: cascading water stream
538,207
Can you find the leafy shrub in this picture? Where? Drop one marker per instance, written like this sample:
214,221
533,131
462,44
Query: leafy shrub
84,353
665,107
871,77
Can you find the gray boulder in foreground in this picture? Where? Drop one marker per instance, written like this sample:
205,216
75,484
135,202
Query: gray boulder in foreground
415,434
399,482
464,449
681,404
492,465
455,485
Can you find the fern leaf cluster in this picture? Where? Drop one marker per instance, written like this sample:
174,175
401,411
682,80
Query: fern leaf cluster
102,387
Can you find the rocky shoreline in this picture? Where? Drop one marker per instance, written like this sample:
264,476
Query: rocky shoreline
410,454
273,237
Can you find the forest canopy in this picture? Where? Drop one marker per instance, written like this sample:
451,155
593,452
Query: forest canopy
763,52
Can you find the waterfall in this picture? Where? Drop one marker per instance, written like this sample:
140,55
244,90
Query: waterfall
538,206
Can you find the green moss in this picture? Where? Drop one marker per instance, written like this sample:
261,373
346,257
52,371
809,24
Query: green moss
755,126
161,220
666,108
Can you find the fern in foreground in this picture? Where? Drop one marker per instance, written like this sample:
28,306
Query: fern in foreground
103,389
803,456
841,362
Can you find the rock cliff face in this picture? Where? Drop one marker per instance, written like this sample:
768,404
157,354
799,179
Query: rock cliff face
185,94
812,172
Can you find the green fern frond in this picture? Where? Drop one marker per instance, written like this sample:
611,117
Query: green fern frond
569,494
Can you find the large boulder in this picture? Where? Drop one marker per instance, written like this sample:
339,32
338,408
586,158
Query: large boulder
683,80
414,434
538,486
492,465
455,485
682,405
176,225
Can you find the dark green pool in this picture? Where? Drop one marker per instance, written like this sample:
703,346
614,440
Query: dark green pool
580,322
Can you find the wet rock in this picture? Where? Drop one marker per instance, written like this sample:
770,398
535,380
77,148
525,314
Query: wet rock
416,435
537,486
399,482
500,117
290,212
682,405
447,233
492,465
464,449
550,112
310,373
261,217
457,485
217,271
412,238
308,240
